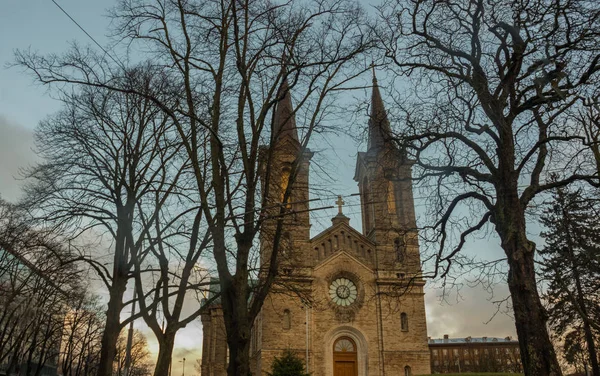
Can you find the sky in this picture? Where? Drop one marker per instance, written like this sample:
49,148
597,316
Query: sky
41,26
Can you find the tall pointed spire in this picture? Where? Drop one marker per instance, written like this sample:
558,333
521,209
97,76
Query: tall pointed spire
379,125
285,119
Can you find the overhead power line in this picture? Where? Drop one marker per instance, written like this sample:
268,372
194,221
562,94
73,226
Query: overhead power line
88,34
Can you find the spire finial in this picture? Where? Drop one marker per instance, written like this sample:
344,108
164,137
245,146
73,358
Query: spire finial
340,217
374,75
340,202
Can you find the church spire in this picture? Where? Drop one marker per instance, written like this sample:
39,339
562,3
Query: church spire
285,119
379,125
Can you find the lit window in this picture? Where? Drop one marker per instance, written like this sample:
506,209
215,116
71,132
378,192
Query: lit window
285,181
391,198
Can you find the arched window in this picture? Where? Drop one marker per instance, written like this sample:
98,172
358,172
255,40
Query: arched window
404,322
407,371
344,344
285,180
391,198
399,249
287,319
285,243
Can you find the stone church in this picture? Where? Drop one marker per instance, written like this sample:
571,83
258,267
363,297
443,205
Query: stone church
347,303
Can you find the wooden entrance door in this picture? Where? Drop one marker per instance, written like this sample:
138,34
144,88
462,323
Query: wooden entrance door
344,357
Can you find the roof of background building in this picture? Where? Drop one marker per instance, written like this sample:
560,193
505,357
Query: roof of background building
446,341
214,292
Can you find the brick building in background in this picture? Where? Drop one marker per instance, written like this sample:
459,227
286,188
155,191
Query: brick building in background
366,312
483,354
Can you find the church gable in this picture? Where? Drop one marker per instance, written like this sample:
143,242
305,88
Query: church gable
342,237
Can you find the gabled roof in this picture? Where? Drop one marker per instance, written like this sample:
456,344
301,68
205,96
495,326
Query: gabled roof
349,228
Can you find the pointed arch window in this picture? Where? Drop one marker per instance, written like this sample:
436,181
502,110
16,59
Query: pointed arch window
400,248
287,320
407,371
286,243
285,181
404,322
391,198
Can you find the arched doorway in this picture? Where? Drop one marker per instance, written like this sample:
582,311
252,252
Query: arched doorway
345,357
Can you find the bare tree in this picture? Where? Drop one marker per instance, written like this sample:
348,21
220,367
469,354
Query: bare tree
231,58
140,364
487,123
588,117
81,337
109,167
35,293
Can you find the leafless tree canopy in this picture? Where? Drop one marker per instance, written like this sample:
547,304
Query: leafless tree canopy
225,63
487,123
37,292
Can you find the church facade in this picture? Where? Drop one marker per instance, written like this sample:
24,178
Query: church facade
349,303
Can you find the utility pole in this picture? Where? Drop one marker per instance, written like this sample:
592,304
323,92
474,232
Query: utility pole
130,337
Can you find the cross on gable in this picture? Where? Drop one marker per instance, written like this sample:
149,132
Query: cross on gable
340,203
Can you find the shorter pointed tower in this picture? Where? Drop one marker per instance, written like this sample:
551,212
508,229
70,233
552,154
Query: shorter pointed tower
284,163
383,174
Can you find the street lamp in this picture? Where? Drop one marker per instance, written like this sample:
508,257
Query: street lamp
183,372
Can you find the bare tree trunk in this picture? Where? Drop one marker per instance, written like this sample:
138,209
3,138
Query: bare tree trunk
165,353
112,328
537,351
238,341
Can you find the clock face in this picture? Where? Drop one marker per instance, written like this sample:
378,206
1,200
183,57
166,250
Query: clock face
343,292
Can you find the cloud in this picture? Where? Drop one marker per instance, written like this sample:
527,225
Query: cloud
16,152
469,314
